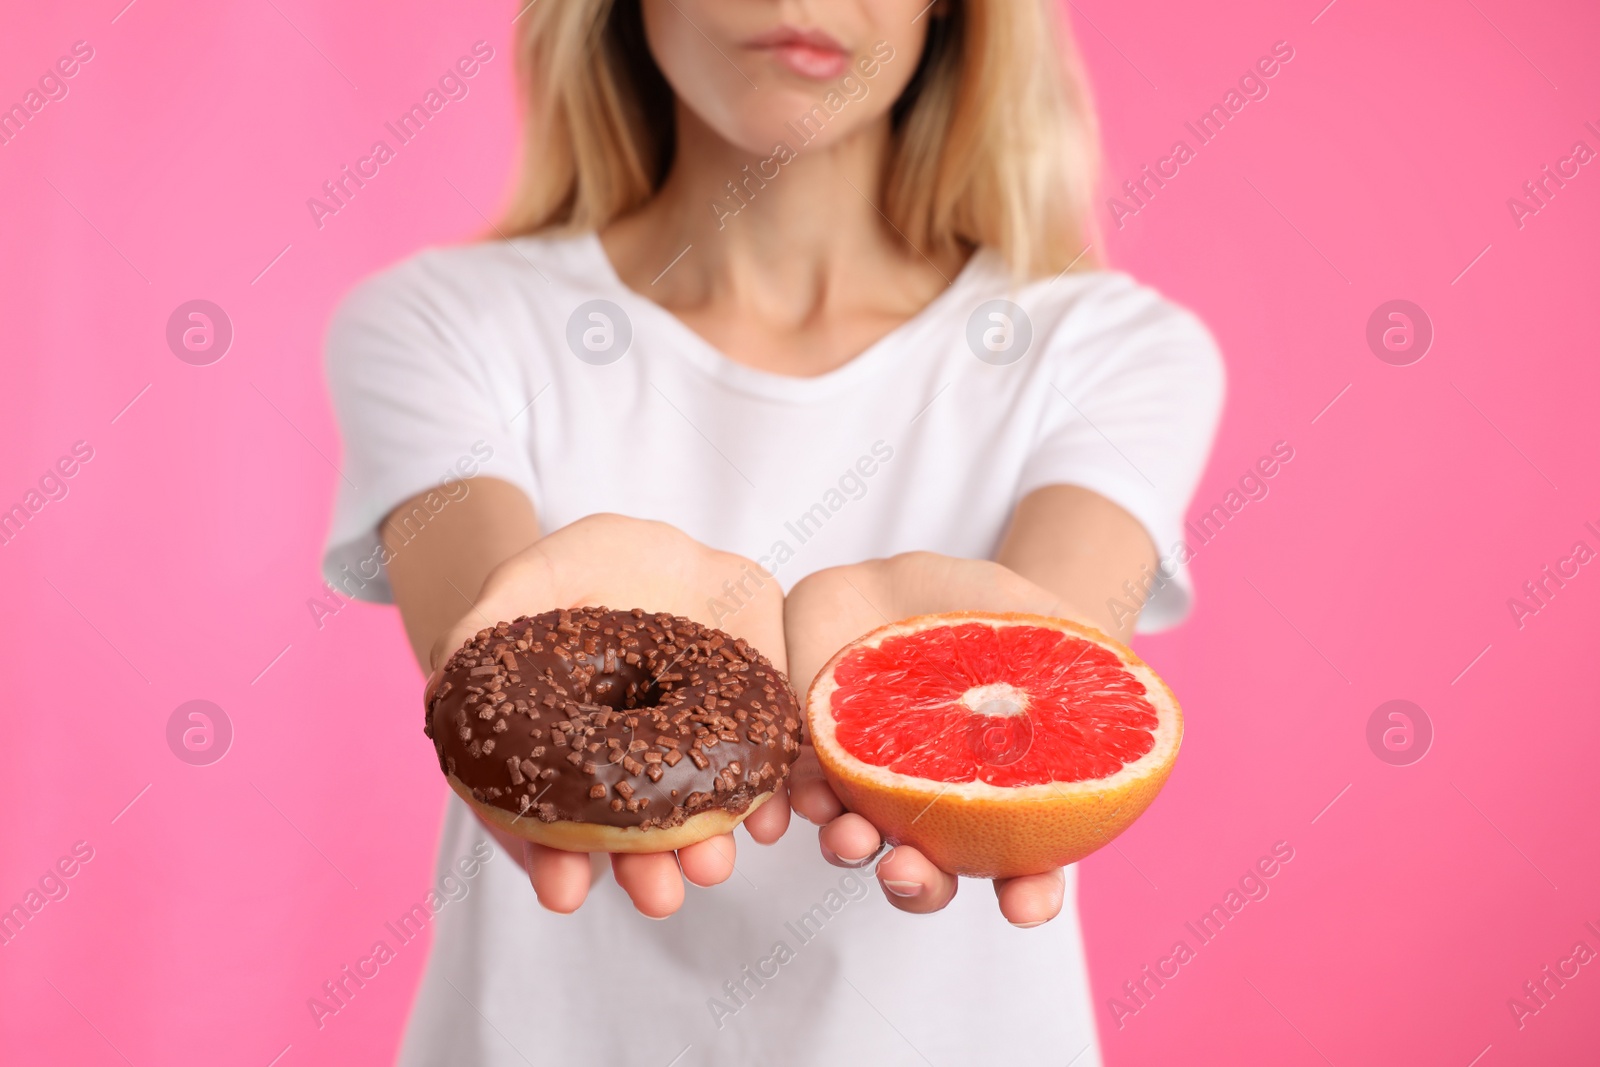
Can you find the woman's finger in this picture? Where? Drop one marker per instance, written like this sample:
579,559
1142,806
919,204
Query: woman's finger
768,822
912,883
451,640
708,862
810,795
560,879
849,841
1033,899
651,879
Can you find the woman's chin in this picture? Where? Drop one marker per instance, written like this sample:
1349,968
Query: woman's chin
786,124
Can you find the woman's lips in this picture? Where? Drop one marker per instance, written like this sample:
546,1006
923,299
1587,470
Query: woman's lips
808,53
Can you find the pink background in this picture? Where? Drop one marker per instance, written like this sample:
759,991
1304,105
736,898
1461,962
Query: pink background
181,562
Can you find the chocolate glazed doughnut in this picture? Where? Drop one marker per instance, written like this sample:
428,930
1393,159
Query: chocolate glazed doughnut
592,730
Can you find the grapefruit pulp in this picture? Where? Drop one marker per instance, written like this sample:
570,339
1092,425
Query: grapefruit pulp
997,745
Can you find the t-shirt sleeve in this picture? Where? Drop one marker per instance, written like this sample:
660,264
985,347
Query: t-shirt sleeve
420,403
1137,387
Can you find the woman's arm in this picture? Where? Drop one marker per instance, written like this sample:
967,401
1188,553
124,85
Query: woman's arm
1081,547
1067,553
437,567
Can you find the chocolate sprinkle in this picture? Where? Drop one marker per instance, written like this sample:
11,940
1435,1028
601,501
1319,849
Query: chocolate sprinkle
591,713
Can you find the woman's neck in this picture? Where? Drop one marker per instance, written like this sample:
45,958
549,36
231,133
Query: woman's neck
794,268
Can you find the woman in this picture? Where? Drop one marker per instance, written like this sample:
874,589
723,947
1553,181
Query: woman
799,298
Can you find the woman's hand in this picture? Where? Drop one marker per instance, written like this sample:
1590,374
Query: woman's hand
626,563
829,609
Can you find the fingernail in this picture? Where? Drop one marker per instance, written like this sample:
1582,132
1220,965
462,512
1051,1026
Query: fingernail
1030,926
902,889
843,861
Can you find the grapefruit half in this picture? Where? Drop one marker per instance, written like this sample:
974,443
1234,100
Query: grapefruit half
997,745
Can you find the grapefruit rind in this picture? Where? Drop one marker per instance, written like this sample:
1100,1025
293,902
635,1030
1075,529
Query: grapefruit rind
986,831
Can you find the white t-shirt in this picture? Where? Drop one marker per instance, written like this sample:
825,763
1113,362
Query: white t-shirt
530,361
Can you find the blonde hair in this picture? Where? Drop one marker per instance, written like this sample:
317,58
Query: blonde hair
994,137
